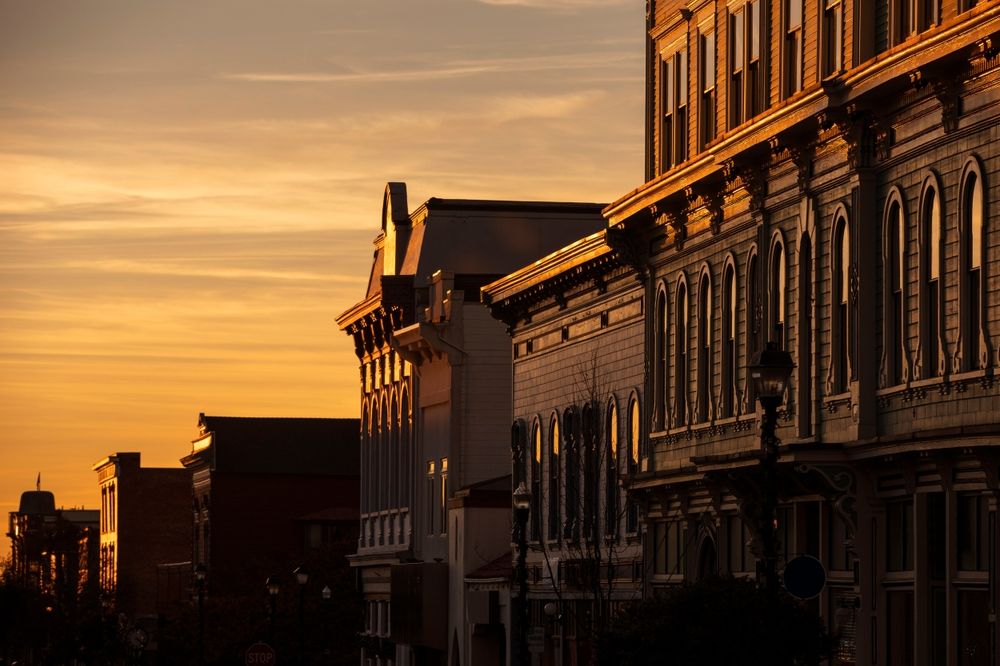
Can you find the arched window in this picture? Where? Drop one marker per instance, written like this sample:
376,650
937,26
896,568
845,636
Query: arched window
406,455
393,457
805,317
382,469
611,472
571,442
660,362
705,355
366,444
840,349
931,291
893,294
536,482
591,473
729,361
681,355
777,292
752,323
634,446
975,352
555,444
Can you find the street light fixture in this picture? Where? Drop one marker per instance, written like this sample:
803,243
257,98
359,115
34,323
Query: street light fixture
522,507
302,577
769,370
273,587
200,574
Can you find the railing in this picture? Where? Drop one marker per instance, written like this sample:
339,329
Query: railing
385,530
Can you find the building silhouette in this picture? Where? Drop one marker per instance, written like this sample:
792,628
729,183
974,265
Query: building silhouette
435,404
822,176
145,522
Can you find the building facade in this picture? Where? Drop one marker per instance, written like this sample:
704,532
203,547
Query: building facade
259,488
435,405
145,522
577,322
824,176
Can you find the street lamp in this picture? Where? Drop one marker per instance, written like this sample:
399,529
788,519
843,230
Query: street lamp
769,371
522,506
273,587
200,574
302,577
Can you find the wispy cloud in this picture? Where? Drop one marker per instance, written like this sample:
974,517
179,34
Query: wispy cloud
561,4
448,70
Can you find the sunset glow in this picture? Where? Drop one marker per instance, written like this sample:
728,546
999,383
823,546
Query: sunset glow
190,191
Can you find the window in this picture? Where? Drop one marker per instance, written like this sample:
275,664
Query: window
778,302
840,302
793,47
680,356
673,109
973,532
973,334
930,282
406,450
729,360
899,535
753,323
611,472
737,59
660,362
443,503
893,297
705,356
536,482
393,459
634,439
554,491
707,112
668,548
431,470
590,428
738,555
833,37
571,436
757,92
805,336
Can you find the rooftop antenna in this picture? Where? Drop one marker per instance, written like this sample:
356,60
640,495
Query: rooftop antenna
38,482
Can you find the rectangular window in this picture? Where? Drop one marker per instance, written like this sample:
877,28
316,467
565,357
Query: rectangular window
707,56
833,37
667,548
756,92
667,111
737,55
793,47
973,532
431,468
443,505
681,120
899,535
739,556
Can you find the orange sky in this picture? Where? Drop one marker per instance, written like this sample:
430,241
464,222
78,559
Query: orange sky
189,191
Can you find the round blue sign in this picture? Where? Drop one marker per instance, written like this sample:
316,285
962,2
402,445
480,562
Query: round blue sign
804,577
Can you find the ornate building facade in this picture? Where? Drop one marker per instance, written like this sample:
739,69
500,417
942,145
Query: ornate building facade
824,175
435,404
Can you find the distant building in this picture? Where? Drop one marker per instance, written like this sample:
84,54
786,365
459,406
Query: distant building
266,491
435,404
145,522
53,550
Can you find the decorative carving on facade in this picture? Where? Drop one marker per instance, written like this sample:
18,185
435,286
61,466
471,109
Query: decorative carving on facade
624,244
949,97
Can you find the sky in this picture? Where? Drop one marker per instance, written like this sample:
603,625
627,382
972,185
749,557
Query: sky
189,191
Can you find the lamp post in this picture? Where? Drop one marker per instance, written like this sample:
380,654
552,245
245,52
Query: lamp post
769,371
302,577
326,594
522,506
199,581
273,587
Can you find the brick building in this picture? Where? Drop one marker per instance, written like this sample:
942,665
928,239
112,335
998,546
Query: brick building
260,486
825,176
145,522
435,405
576,318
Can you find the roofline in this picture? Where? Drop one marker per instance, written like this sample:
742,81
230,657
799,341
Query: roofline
359,310
435,203
558,262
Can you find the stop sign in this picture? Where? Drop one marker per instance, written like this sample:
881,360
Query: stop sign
260,654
